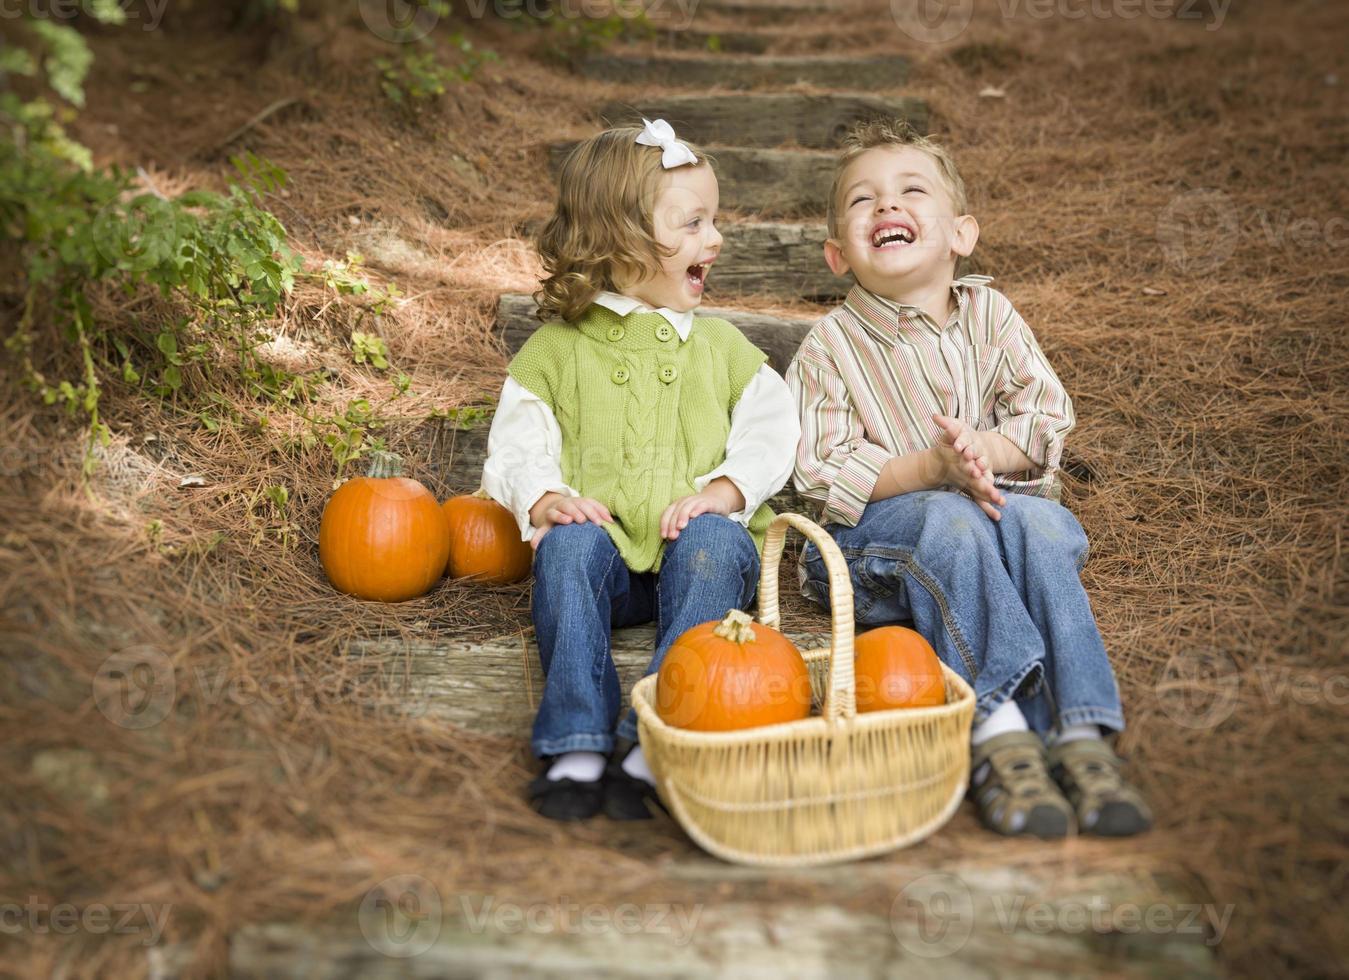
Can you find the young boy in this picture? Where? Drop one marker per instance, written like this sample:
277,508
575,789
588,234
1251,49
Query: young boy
923,398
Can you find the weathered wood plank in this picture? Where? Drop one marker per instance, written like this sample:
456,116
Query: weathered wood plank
934,925
491,687
769,182
776,337
725,42
765,258
766,119
866,73
776,259
755,12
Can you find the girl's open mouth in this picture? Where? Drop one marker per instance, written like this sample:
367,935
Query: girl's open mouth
697,276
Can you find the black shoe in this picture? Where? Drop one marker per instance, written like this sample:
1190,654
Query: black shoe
625,795
566,799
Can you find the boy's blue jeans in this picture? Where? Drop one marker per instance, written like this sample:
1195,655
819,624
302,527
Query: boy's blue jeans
582,589
1000,601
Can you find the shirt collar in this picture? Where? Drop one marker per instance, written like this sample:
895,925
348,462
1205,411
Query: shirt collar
623,305
882,316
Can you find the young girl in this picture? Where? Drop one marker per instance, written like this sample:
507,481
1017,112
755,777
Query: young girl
636,444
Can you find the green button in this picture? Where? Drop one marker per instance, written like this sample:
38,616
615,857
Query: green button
616,332
669,373
620,375
663,332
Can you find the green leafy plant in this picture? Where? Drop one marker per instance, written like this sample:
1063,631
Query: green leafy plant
222,258
420,77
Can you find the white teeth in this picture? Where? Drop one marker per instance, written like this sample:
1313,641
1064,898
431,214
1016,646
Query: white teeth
888,236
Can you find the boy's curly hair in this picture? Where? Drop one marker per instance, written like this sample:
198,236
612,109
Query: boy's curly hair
603,225
871,133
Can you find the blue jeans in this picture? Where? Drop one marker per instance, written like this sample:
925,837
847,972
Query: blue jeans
1000,601
582,589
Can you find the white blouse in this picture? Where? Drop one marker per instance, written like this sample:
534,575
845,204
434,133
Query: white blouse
524,444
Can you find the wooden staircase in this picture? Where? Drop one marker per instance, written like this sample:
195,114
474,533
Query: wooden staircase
773,149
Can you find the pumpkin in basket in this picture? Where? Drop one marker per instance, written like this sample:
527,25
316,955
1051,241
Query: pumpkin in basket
383,536
485,540
731,674
896,667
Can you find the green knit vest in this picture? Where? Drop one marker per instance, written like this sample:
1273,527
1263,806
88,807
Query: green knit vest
641,412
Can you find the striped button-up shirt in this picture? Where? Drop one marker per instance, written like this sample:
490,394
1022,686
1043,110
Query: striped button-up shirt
871,373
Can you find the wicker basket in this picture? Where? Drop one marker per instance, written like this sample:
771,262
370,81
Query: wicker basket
832,787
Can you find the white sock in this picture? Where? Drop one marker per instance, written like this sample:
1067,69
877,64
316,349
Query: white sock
635,765
1072,732
1007,717
584,767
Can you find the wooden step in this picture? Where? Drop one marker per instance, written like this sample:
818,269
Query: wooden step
778,338
872,73
778,183
714,41
767,258
766,119
777,12
491,687
904,920
782,259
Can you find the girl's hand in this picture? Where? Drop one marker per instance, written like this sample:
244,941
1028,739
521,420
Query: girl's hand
963,460
568,510
714,499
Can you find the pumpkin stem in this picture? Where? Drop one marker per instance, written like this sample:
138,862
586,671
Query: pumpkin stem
481,493
384,464
736,627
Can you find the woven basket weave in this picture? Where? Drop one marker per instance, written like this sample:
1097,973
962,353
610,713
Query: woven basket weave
835,786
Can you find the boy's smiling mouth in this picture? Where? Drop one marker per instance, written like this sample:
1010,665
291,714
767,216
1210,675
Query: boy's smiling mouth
893,234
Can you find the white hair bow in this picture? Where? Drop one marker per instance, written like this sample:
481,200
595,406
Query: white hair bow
673,152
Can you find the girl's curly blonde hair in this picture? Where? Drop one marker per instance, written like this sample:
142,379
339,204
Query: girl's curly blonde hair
603,226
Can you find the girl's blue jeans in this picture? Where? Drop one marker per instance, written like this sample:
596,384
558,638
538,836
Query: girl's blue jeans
1002,602
582,589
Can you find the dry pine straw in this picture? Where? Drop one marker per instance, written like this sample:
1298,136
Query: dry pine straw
1209,475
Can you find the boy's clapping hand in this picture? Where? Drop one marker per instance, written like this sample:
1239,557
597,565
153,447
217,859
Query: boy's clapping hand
964,462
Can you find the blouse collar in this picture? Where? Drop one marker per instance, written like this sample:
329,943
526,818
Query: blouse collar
623,305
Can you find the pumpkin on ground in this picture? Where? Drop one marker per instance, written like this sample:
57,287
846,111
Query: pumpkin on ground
896,667
383,536
485,541
731,674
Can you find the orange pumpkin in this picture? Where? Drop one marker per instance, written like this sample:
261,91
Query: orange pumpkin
485,540
732,674
896,668
383,536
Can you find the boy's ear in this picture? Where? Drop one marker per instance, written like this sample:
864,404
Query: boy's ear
833,257
966,235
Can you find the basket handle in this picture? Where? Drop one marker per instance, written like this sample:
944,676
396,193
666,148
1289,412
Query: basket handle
841,698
